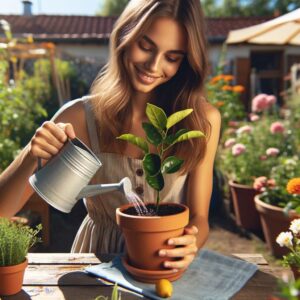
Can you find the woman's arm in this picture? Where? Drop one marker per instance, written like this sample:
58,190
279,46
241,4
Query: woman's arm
198,200
46,142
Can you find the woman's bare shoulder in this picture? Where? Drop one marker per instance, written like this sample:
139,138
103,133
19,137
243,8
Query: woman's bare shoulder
212,113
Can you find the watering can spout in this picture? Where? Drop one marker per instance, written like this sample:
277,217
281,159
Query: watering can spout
123,186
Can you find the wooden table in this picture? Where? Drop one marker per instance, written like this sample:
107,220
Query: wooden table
61,276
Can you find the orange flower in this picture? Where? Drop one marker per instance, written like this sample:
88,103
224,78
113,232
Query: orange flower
49,45
216,78
220,103
238,89
228,77
226,88
293,186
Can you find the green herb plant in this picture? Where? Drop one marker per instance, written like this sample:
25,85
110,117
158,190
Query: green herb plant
15,241
157,134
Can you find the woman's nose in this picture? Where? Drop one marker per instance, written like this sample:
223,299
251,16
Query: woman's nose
153,63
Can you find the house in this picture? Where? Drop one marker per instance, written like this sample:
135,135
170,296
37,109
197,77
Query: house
87,37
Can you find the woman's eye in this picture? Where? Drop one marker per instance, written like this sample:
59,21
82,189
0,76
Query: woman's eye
172,59
144,46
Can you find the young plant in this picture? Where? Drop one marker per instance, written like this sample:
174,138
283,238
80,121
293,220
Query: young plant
157,164
15,241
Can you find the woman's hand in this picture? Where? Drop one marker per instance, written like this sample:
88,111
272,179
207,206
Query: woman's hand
49,139
185,248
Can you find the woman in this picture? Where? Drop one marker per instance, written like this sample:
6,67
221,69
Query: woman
157,55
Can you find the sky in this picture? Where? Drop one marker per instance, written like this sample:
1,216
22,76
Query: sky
60,7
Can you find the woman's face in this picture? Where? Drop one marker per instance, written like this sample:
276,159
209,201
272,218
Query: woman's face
156,56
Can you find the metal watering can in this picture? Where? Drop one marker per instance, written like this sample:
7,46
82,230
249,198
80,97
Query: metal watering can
64,179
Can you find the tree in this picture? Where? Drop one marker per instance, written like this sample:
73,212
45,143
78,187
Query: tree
226,8
112,7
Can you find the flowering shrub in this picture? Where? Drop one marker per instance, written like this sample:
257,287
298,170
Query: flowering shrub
250,149
283,192
290,239
226,97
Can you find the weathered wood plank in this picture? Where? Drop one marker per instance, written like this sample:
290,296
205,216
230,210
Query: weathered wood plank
70,292
254,258
260,287
58,275
63,258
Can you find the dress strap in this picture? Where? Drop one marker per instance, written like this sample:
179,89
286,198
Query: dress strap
91,125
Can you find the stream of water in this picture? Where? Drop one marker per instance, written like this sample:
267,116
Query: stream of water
138,204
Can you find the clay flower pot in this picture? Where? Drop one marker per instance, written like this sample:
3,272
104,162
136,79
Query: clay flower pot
244,207
274,221
145,236
11,278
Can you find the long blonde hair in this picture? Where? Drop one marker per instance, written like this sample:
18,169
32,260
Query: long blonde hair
112,89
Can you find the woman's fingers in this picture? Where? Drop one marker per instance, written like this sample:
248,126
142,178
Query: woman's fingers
186,249
50,138
178,252
180,264
68,129
191,230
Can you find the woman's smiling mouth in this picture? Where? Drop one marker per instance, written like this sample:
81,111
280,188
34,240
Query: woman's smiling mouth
145,78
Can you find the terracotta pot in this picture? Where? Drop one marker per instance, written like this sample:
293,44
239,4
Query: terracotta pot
245,211
273,222
145,236
296,272
11,278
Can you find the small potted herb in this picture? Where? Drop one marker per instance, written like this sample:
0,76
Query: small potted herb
145,235
15,241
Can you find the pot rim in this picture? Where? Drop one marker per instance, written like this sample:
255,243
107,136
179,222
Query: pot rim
236,184
257,200
123,207
13,268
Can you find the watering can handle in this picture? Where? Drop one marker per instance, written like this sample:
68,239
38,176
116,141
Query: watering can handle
39,163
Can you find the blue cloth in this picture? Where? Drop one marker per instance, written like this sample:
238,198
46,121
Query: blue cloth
211,276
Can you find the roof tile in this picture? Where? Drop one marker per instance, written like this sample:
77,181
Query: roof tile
96,27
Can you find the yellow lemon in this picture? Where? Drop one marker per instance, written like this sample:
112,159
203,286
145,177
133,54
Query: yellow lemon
164,288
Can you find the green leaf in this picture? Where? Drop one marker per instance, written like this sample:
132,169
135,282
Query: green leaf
156,116
171,164
156,182
189,135
153,135
172,137
177,117
151,164
135,140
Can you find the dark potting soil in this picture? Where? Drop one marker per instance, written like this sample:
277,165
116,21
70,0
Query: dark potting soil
164,210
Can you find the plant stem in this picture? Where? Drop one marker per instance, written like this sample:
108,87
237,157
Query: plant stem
157,202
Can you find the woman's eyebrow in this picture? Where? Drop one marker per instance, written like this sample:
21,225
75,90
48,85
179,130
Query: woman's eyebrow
171,51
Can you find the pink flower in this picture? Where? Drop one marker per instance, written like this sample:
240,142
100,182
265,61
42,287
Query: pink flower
244,129
230,142
263,157
254,117
271,99
272,151
233,123
260,183
259,103
238,149
277,127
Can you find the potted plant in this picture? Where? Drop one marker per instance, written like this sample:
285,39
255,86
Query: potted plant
250,150
15,241
146,235
279,204
290,240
